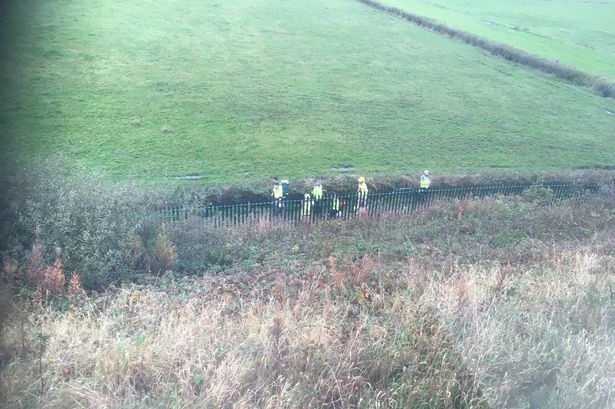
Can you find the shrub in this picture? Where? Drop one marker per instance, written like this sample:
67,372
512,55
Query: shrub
604,88
51,282
110,232
87,221
542,196
152,250
351,333
499,301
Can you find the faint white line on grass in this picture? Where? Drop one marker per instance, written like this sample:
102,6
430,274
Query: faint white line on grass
189,177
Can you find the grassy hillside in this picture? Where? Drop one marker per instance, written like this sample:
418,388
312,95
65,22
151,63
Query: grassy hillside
502,302
247,89
576,33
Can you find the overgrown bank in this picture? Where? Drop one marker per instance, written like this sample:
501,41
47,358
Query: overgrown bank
260,190
473,304
112,233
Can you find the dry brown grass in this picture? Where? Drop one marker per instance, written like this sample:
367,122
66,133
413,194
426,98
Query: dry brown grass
473,304
351,333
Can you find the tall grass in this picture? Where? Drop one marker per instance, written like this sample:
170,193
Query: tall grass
543,338
363,334
109,233
498,302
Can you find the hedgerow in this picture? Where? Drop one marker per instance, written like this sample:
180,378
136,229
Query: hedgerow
108,233
600,86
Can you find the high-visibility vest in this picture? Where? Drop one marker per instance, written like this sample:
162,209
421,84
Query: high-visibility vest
363,189
425,182
278,192
336,204
317,192
307,207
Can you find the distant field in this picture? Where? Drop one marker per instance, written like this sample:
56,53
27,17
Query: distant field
252,88
578,33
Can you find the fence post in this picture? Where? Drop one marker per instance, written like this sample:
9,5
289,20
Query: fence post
374,204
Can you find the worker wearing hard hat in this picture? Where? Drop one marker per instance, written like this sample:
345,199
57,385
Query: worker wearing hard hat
276,191
424,184
362,191
317,193
278,195
425,181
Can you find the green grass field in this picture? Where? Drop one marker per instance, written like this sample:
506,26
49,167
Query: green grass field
577,33
248,89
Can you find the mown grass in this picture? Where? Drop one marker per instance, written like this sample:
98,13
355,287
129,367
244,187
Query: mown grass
246,90
474,304
575,33
573,75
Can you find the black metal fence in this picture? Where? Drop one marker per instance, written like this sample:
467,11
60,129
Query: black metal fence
346,206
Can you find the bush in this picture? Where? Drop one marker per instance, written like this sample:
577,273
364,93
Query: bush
604,88
84,220
542,196
107,233
500,301
259,190
366,332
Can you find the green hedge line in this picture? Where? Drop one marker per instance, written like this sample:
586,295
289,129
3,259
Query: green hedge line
578,77
260,190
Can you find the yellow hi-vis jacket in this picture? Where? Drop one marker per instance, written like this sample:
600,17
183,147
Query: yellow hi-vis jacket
278,192
425,182
317,192
362,189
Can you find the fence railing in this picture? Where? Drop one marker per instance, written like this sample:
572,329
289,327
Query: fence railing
346,206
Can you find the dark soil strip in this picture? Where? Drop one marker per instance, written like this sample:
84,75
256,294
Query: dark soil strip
577,77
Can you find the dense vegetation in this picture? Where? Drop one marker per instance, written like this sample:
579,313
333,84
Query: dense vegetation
501,302
114,232
251,89
474,303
